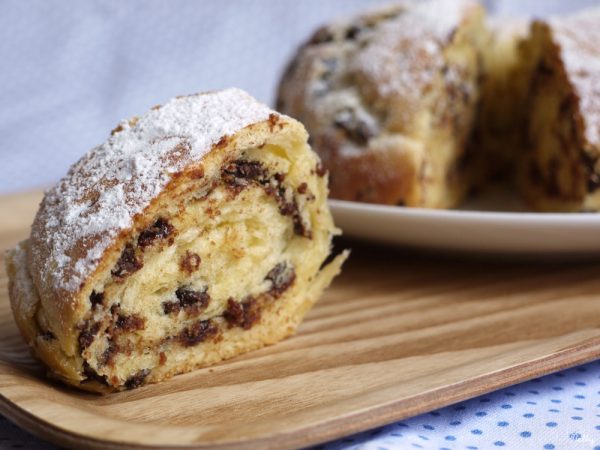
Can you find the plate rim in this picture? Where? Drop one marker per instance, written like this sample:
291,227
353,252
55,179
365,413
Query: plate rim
459,214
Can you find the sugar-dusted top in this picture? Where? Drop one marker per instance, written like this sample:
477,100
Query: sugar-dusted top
406,53
80,217
579,37
379,64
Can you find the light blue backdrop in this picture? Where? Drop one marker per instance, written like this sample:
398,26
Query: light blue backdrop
71,70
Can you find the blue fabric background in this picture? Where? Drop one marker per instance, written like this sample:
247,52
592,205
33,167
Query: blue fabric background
557,412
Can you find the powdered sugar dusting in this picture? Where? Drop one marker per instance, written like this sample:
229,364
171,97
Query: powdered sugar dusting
80,217
578,37
407,51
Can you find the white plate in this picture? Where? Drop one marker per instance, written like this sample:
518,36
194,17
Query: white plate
575,235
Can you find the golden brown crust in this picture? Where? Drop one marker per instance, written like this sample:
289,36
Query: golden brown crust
385,175
25,305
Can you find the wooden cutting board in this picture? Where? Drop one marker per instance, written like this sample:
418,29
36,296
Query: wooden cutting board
396,335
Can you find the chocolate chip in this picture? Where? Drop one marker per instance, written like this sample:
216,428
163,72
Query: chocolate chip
129,323
122,322
244,314
252,313
188,299
162,358
273,119
161,229
128,263
239,173
281,277
299,227
108,356
353,32
96,298
86,336
197,333
234,314
287,208
137,380
302,188
171,307
190,262
355,129
320,170
290,208
92,375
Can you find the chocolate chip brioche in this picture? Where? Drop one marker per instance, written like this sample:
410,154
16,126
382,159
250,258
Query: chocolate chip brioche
197,232
417,104
389,99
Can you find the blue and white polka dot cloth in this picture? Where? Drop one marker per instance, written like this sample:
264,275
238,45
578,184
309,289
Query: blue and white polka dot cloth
557,412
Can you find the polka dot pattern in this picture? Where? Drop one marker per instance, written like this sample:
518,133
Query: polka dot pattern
560,411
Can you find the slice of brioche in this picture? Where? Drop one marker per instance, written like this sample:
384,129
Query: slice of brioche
195,233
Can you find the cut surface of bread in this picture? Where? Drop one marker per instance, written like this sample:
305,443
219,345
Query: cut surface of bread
560,172
225,258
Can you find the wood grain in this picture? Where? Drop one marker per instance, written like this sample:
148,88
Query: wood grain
396,335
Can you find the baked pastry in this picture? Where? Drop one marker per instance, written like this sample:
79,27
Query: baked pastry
539,123
498,136
418,104
197,232
560,169
389,100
